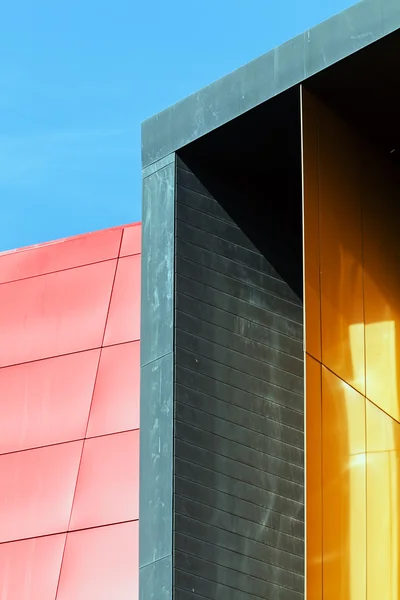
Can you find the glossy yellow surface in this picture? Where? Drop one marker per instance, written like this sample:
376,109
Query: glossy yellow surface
352,231
343,492
342,304
383,502
314,481
311,228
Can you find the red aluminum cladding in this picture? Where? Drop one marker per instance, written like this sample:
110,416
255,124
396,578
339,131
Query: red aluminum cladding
47,401
123,324
55,314
69,418
64,254
131,240
118,377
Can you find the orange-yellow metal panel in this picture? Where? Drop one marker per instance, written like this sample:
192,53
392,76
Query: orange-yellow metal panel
343,493
341,251
352,253
313,480
383,505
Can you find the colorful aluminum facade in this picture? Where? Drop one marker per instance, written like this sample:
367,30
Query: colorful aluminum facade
270,300
269,318
69,418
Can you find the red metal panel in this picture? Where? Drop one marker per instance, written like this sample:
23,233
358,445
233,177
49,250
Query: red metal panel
101,564
65,254
123,324
108,483
131,240
116,398
51,330
46,401
37,488
55,314
29,569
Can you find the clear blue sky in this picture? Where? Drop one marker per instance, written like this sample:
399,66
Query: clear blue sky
77,77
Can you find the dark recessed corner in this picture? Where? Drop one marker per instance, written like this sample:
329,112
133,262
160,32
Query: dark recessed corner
252,167
363,89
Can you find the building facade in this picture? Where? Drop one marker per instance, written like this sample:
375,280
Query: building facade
256,325
270,416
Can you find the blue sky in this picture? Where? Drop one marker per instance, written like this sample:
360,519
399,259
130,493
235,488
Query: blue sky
78,77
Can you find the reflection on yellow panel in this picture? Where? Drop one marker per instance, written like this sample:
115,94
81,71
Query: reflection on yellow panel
352,258
382,365
341,251
383,447
311,227
381,219
313,482
343,493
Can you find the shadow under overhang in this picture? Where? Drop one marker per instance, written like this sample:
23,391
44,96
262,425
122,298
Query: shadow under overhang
252,167
364,89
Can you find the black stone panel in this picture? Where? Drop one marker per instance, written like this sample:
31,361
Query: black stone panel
242,361
233,485
217,582
237,399
238,307
237,271
250,512
259,569
214,415
252,532
239,379
239,373
225,248
251,330
206,456
194,420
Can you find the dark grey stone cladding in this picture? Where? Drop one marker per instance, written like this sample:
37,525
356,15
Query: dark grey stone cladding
239,393
157,383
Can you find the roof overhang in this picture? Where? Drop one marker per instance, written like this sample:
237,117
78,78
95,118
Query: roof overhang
351,61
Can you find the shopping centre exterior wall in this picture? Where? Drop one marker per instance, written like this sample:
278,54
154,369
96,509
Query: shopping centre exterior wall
352,310
69,418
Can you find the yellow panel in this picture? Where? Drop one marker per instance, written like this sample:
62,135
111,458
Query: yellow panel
383,505
381,228
313,482
343,492
311,227
341,251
